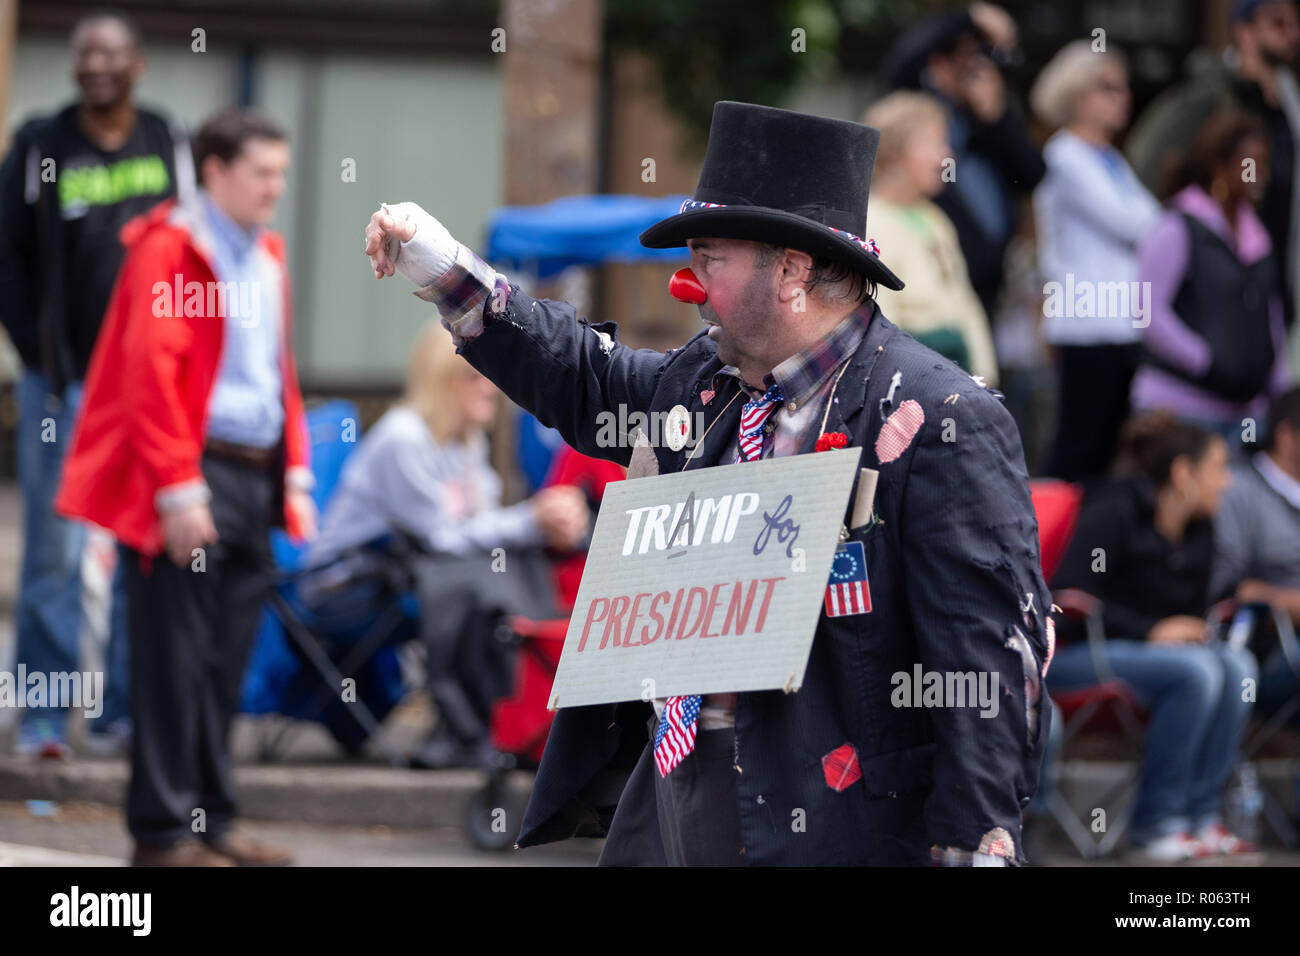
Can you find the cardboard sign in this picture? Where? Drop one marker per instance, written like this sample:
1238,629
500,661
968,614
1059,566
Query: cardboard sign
705,581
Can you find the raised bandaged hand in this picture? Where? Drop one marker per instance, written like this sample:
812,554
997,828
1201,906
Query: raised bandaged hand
402,237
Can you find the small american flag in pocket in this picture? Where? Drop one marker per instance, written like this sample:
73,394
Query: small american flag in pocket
848,592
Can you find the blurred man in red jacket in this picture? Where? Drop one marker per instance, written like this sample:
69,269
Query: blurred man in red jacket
190,445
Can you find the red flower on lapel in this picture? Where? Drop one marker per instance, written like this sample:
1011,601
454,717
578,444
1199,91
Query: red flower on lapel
828,440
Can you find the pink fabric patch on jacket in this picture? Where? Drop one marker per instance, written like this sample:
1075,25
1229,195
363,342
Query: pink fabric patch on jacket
899,430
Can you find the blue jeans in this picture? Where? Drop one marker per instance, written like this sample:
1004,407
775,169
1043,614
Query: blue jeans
1193,693
1051,754
47,616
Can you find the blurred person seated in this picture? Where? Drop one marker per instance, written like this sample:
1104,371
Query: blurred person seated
590,476
1257,541
1090,211
536,448
1215,349
421,475
1144,546
938,307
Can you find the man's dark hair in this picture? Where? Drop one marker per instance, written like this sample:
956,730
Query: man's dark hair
117,16
1151,441
1283,408
225,133
824,271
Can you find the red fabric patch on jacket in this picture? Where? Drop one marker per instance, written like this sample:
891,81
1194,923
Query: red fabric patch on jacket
841,767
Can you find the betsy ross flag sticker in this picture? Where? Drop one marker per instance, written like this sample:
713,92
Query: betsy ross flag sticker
848,591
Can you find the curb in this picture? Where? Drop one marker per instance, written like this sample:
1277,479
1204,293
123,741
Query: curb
345,795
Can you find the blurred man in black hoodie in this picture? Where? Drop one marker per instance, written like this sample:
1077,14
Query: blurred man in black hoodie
68,184
958,58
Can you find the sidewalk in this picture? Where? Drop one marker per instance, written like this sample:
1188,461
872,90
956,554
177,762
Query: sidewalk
310,782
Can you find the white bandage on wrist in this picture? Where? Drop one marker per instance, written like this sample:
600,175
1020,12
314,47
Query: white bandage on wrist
430,253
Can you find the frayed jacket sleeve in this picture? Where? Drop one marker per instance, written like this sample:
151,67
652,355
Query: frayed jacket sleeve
977,597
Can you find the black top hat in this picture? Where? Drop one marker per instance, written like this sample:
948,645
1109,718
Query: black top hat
787,178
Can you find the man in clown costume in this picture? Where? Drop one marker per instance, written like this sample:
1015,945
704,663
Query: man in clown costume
939,575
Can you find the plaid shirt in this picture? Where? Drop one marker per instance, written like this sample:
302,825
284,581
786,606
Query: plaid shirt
460,293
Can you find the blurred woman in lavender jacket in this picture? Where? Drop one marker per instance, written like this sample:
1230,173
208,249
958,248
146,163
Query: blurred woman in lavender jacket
1215,349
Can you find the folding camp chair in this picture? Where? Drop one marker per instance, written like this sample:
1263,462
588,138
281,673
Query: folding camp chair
394,623
334,428
520,726
1108,705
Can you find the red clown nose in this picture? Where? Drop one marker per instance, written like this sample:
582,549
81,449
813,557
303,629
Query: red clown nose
685,287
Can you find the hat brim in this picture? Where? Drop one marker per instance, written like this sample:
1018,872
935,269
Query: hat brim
764,224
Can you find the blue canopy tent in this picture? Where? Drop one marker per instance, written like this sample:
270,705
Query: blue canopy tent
578,231
544,240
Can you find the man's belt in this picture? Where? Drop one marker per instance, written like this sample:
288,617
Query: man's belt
244,454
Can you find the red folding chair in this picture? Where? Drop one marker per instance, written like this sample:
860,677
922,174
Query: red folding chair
1109,706
521,722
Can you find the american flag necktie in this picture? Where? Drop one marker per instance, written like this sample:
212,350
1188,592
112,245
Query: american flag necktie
675,734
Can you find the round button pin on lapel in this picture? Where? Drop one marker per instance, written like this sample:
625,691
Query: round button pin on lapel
677,428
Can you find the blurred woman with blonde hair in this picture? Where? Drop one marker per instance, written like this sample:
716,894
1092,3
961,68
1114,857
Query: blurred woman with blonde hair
421,475
938,307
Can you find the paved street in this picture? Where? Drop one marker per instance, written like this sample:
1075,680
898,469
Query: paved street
93,835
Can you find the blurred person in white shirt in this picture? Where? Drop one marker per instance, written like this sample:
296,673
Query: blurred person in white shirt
1090,211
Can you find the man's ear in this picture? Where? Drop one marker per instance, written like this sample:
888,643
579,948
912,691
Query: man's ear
211,166
792,279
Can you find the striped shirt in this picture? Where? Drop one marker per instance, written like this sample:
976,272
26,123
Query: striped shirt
806,379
